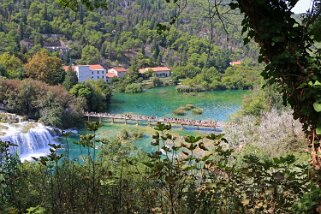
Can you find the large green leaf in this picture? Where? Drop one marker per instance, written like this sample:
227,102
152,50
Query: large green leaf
317,106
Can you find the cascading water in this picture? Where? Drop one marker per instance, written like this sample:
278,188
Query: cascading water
31,138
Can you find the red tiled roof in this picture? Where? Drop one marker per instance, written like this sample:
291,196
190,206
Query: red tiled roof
67,67
110,75
91,67
120,69
235,63
96,67
154,69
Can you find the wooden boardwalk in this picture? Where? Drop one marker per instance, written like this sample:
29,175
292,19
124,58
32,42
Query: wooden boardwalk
152,119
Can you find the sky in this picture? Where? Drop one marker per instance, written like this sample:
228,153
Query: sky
302,6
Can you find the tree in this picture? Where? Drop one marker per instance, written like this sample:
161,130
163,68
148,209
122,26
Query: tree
96,93
293,61
71,79
80,90
46,68
90,55
241,77
53,105
8,42
3,71
11,66
89,4
133,88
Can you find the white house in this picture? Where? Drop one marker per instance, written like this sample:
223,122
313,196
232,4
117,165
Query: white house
118,71
160,72
85,72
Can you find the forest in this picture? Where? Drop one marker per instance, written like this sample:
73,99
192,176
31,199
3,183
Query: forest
125,33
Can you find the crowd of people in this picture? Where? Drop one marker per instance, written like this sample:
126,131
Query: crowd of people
182,121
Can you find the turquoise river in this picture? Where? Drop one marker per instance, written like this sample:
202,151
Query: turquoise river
161,102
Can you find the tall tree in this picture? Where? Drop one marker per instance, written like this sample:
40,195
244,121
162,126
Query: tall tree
90,55
70,79
42,66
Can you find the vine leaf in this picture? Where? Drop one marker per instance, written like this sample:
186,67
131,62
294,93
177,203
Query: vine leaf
317,106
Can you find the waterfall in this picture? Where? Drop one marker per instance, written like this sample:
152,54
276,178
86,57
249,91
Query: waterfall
32,139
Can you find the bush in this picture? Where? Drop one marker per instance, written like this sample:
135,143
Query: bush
189,106
275,133
180,111
156,81
188,89
123,134
96,93
197,111
140,79
136,134
133,88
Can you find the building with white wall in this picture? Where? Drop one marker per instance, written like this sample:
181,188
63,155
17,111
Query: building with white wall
160,72
118,71
85,72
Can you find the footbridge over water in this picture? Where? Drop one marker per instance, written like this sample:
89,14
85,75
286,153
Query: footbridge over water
153,119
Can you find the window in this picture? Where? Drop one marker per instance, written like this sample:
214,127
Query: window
92,73
97,72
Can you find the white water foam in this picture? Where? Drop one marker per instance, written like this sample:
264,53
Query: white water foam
31,138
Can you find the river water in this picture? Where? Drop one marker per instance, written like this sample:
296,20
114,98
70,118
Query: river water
217,105
161,102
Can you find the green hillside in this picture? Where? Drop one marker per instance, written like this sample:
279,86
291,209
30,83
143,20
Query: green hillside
124,34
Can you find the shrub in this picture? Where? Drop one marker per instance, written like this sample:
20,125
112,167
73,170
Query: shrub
188,89
123,134
133,88
189,106
180,111
275,133
156,81
136,134
197,111
96,94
